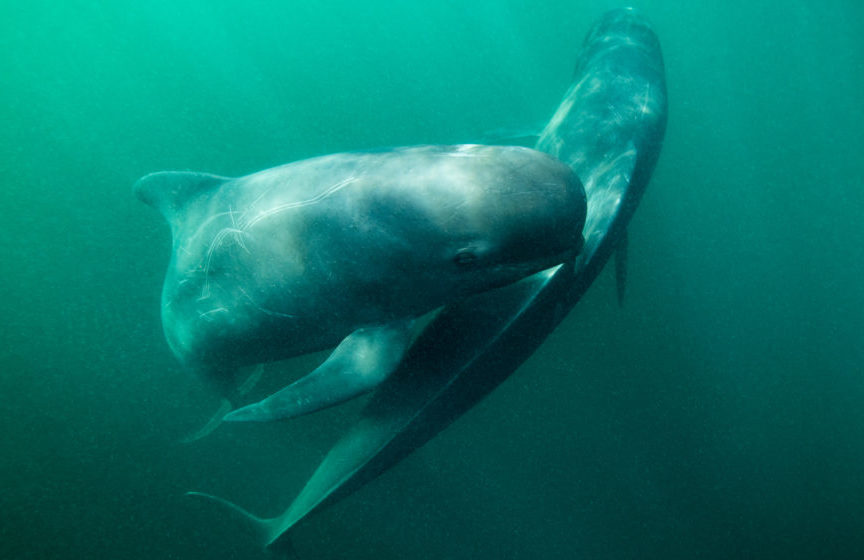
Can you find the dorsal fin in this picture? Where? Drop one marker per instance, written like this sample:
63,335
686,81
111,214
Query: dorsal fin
170,191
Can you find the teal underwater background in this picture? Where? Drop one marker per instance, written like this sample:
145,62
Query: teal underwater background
718,414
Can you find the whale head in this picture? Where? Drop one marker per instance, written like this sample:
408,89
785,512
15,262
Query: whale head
500,213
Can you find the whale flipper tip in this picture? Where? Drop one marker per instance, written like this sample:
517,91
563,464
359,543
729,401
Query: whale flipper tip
211,425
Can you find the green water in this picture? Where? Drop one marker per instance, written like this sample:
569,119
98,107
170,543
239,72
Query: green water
719,414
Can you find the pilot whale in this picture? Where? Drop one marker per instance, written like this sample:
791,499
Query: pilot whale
346,250
609,128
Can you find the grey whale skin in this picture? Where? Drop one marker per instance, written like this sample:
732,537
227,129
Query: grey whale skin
350,247
609,129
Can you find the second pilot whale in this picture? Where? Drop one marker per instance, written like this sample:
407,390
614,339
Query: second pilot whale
346,250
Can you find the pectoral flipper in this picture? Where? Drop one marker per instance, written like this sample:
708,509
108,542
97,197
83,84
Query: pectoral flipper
362,360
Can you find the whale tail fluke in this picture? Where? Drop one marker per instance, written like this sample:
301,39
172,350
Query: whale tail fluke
260,528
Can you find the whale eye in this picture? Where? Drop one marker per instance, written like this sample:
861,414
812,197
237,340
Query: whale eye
465,257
